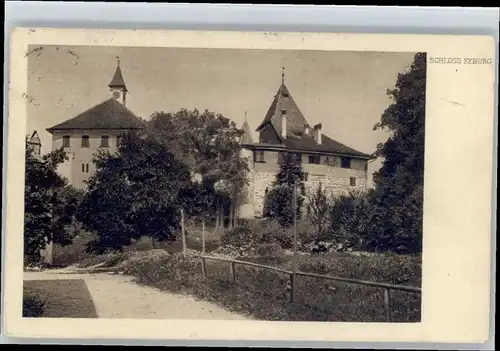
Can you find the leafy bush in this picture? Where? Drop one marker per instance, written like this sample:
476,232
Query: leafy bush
75,252
350,217
144,243
318,208
242,237
269,250
33,305
272,232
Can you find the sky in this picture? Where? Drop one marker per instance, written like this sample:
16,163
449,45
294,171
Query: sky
345,91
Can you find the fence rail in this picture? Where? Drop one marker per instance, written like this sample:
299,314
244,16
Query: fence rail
292,276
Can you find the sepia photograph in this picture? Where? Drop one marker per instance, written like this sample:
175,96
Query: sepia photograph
224,184
197,185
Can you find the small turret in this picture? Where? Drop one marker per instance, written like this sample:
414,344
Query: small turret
246,208
117,85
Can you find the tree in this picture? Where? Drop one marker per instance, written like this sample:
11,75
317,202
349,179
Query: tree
135,192
399,182
208,144
49,204
280,197
319,207
351,216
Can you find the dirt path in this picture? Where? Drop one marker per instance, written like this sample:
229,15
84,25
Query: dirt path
117,296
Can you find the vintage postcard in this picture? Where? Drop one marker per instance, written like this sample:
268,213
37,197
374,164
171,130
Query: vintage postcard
249,185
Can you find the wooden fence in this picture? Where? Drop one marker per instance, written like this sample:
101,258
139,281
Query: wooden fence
293,276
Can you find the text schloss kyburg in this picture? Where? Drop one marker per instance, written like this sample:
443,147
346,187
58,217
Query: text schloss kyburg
461,60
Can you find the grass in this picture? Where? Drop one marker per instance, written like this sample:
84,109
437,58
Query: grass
263,295
58,298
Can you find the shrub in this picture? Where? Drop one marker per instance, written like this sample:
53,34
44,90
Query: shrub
144,243
283,238
306,233
33,305
351,217
75,252
272,232
318,208
242,237
269,250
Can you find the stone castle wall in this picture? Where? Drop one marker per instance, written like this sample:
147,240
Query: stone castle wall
334,179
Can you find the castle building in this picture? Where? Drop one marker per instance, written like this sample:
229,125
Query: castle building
285,130
99,127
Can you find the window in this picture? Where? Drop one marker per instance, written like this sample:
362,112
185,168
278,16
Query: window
118,140
314,159
66,141
85,141
353,181
259,156
85,168
345,162
305,177
105,141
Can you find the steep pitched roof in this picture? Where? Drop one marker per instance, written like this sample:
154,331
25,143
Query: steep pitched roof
109,114
283,100
118,81
296,139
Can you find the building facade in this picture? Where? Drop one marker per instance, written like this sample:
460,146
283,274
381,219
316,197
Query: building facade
98,128
285,130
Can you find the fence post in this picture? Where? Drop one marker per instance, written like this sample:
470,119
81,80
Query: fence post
292,287
203,236
387,304
183,234
232,271
203,268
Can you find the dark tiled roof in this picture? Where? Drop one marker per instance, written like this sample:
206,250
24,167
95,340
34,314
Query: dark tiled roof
328,145
109,114
117,81
283,100
296,138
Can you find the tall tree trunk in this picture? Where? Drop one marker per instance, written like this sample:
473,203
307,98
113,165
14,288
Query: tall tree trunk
236,211
217,206
230,213
220,213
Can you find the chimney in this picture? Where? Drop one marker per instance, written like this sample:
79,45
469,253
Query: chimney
317,133
306,129
283,124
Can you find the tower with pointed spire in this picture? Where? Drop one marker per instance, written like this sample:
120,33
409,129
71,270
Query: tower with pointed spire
117,85
285,130
246,204
100,127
